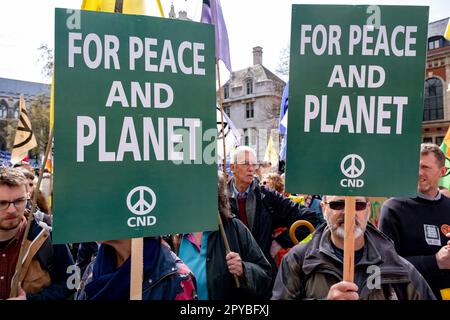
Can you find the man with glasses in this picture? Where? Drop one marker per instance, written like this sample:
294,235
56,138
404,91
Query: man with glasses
420,226
313,270
44,269
262,210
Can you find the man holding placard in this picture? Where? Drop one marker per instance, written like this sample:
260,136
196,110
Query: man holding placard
126,119
314,270
136,129
351,106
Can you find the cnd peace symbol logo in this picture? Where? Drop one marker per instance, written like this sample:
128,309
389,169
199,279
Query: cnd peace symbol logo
140,205
352,166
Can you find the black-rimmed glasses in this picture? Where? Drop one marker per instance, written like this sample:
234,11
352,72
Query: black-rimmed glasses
18,203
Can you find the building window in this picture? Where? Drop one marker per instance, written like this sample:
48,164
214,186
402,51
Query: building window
226,92
249,110
16,110
438,140
275,110
427,139
249,85
246,137
434,43
433,109
227,111
3,109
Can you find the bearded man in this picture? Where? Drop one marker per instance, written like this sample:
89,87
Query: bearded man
313,270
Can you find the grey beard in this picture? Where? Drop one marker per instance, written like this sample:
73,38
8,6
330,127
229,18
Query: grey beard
340,230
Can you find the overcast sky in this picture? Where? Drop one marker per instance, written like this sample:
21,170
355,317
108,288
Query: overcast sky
26,24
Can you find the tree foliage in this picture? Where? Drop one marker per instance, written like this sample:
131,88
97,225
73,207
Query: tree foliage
46,59
8,131
40,122
283,64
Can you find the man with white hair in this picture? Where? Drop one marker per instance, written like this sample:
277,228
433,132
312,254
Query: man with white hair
260,209
314,270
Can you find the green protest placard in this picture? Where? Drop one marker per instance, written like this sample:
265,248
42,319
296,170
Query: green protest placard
134,99
355,99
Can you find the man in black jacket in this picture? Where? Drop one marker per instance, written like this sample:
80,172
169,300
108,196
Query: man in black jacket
420,226
214,268
260,209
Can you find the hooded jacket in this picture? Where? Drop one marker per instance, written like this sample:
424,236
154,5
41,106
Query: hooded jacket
309,270
221,286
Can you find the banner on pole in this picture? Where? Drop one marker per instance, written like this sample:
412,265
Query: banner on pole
356,99
135,134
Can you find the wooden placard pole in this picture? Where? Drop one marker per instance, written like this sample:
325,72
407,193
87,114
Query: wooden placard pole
221,118
137,267
349,240
222,230
22,251
227,248
137,247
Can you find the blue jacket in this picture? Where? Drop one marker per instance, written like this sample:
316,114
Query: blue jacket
167,280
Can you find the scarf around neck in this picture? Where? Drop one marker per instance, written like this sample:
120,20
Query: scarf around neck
111,283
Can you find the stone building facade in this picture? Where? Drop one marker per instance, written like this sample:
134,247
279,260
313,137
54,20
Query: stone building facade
251,98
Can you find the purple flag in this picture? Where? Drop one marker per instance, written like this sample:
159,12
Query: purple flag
212,13
282,127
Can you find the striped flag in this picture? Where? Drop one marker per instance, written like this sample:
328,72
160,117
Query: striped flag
445,147
212,13
24,139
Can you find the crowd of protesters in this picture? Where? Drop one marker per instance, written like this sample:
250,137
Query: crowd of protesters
409,249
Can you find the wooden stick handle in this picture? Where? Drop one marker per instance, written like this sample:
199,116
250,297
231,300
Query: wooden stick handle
137,266
223,126
222,230
227,248
349,240
161,11
18,269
